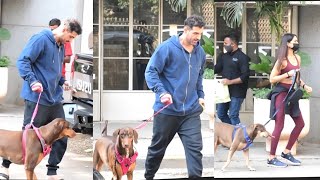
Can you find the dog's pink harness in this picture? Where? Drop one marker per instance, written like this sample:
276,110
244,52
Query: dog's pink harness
45,148
125,162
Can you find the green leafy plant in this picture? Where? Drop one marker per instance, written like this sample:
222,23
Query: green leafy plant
261,93
208,45
4,35
208,73
4,61
265,65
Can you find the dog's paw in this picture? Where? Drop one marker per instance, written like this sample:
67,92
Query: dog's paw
251,168
223,169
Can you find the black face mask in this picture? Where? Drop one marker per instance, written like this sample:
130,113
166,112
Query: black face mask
295,47
229,48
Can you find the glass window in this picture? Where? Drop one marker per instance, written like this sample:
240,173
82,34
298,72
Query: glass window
139,67
204,8
95,11
116,12
171,15
223,29
115,74
258,30
116,41
146,12
145,40
95,40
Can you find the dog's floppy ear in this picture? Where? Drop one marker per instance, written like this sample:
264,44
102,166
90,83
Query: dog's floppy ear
135,135
115,135
59,125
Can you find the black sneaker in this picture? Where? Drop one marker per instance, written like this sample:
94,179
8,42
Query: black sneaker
276,163
291,159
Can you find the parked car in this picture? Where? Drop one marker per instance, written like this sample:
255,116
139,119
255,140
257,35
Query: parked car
79,111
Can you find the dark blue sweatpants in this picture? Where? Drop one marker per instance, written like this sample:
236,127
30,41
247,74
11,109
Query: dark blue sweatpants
164,129
45,115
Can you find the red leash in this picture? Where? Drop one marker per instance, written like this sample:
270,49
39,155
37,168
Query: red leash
143,124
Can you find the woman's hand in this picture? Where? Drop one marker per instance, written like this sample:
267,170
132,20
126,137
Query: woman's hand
292,72
308,88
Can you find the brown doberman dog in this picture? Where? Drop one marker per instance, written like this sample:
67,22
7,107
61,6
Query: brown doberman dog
116,152
237,138
11,146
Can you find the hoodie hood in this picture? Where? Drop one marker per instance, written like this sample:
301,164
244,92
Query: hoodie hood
48,33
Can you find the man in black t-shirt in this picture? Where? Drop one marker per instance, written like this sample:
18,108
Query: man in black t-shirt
233,66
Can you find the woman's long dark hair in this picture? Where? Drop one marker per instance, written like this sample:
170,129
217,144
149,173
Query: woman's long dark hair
283,49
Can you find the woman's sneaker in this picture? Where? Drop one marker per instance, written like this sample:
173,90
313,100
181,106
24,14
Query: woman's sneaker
276,163
291,159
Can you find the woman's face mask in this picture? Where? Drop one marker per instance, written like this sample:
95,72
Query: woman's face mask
295,47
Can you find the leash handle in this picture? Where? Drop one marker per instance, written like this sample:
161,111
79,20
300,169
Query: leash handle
35,111
145,123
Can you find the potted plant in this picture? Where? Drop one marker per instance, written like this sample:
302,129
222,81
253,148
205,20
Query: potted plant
207,82
4,63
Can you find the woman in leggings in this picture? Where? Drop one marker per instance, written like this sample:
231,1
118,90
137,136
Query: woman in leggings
285,66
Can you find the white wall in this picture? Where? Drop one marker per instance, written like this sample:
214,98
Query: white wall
25,18
308,36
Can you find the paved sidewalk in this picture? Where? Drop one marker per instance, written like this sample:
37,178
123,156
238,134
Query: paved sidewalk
73,166
309,155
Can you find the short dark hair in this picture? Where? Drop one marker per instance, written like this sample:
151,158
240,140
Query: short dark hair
194,20
54,21
233,36
73,26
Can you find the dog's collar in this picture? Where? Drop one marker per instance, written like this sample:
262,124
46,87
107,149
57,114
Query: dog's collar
45,148
246,136
125,162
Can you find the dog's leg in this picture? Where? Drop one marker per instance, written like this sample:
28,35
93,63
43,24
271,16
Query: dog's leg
30,174
130,175
230,154
97,162
215,144
246,156
99,165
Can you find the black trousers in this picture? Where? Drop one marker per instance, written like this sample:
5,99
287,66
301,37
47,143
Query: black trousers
45,115
164,129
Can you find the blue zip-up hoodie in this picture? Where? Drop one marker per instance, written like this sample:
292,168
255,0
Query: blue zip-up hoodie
41,60
173,70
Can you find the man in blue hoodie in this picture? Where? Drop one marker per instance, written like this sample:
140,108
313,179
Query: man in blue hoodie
174,73
40,65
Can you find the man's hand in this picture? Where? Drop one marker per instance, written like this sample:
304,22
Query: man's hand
226,81
166,99
202,103
66,86
37,87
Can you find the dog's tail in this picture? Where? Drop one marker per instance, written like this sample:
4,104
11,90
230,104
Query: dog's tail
104,131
